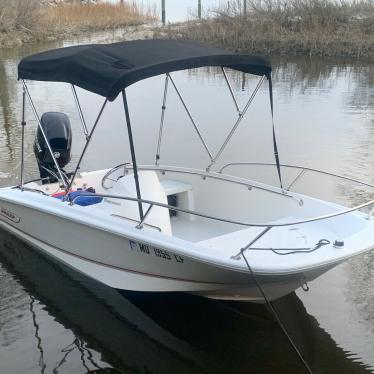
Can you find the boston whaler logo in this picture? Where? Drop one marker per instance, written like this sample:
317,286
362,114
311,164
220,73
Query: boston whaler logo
9,215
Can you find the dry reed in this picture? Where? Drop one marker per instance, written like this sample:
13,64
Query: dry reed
17,15
95,16
31,20
313,27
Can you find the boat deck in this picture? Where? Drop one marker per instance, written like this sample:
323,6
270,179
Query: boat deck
227,241
198,230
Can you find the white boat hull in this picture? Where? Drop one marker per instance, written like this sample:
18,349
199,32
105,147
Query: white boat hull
119,259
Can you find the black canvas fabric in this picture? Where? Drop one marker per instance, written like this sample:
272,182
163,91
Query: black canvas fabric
106,69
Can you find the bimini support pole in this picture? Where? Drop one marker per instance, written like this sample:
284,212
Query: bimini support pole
237,123
133,156
275,146
89,137
231,91
44,135
81,117
23,124
163,108
191,118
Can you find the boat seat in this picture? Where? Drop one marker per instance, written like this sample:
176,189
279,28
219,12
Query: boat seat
151,189
172,187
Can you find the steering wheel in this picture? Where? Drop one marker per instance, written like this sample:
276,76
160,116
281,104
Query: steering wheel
113,175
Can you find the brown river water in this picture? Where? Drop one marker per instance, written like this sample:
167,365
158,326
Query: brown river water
53,320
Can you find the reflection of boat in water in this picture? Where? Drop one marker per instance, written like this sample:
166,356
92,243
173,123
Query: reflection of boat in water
176,333
97,313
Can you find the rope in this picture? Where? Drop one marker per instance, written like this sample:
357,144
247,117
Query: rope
276,316
288,251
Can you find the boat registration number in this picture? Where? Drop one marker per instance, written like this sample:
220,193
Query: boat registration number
152,251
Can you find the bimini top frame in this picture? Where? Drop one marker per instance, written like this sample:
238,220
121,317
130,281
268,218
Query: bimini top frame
205,174
109,69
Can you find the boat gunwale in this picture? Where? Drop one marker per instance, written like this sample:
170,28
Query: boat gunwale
238,180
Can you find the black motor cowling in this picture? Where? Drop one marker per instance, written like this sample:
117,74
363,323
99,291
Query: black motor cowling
57,129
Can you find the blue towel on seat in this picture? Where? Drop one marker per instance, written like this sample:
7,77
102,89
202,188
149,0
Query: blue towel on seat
84,200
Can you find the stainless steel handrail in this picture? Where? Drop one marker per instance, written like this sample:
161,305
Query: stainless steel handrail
137,221
218,176
142,221
225,177
27,189
202,215
249,245
295,167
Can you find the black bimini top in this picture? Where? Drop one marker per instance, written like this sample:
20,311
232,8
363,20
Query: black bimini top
107,69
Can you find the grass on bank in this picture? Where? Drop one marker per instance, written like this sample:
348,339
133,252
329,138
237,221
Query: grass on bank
95,16
17,15
314,27
31,20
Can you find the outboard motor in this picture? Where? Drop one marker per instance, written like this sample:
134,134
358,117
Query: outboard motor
57,129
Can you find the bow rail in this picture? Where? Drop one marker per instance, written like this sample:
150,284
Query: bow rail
207,216
303,171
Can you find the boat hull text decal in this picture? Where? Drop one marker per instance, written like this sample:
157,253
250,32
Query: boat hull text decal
9,215
152,251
